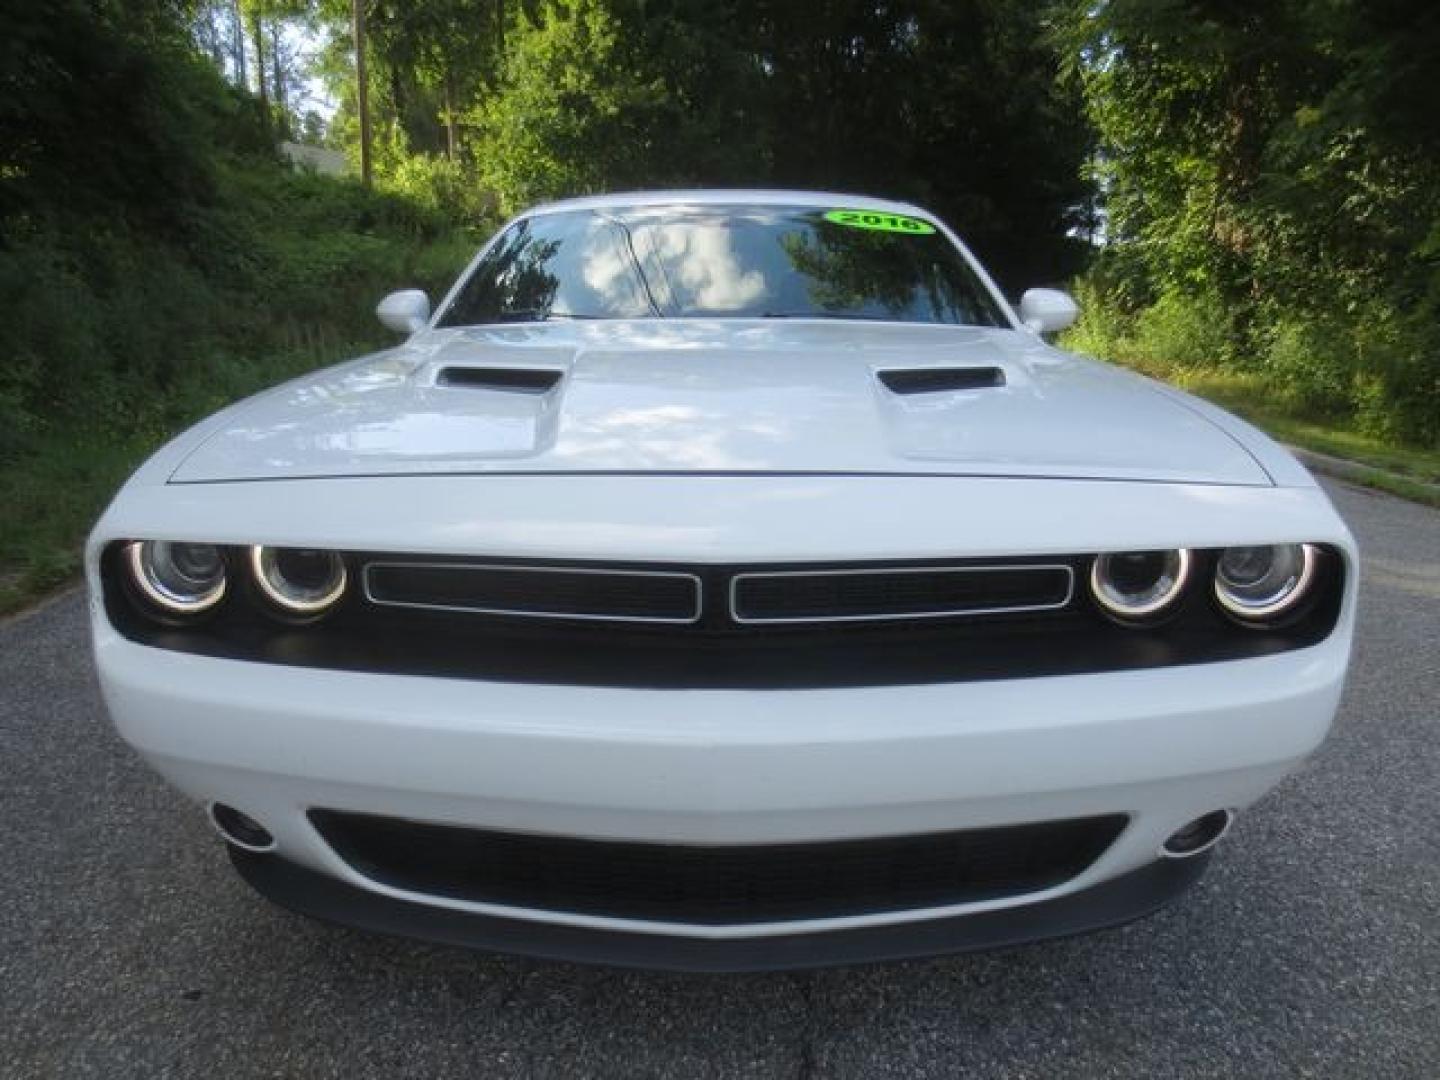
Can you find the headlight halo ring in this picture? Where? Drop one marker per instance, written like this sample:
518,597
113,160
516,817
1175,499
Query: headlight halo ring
139,558
261,558
1102,592
1258,613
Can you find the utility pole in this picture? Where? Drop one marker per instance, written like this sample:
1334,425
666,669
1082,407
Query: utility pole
362,87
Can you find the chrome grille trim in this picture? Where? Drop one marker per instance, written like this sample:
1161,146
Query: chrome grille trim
477,609
937,613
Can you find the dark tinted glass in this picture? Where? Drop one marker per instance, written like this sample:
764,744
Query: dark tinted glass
723,261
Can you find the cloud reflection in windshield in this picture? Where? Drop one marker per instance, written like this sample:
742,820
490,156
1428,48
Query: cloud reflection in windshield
700,258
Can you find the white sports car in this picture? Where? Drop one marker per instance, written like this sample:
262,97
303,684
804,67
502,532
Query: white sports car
723,580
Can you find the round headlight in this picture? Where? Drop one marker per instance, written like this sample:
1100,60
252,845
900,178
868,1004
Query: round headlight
176,578
1260,583
1139,586
299,581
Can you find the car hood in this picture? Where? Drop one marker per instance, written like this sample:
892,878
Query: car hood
723,396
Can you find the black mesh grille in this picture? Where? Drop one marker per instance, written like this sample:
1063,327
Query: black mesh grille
720,884
539,591
896,594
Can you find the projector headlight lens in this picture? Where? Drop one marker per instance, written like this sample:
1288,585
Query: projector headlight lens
1140,586
299,581
1255,584
176,578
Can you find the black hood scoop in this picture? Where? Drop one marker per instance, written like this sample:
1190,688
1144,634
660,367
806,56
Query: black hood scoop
935,380
513,379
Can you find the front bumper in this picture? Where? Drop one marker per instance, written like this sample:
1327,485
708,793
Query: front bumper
1161,746
1119,900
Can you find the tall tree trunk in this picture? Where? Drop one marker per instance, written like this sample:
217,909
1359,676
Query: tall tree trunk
400,99
362,87
237,44
452,140
277,66
257,38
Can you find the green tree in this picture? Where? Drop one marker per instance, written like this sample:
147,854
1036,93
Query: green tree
103,104
954,104
595,96
1279,162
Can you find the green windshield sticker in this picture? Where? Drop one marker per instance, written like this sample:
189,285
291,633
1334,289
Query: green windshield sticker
881,222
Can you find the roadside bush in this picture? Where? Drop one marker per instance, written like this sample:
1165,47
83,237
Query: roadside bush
1405,364
1310,363
1174,333
1182,331
443,187
1104,325
1360,367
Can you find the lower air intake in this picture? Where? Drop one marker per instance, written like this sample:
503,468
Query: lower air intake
723,884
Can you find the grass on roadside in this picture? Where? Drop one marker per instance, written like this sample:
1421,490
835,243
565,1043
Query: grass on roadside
48,498
1249,398
1407,471
1395,484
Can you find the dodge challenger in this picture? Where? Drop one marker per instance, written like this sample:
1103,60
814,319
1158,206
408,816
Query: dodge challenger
723,580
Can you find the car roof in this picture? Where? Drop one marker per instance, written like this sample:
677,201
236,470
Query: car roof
726,197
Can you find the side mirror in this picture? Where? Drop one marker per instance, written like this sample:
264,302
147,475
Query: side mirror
1047,310
405,312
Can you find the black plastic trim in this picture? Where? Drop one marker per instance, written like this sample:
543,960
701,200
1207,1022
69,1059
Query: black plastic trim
938,380
716,884
545,592
1111,903
715,652
862,595
514,380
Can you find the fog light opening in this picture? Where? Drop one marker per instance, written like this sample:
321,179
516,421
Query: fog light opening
1199,835
240,829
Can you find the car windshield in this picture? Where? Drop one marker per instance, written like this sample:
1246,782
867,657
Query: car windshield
723,262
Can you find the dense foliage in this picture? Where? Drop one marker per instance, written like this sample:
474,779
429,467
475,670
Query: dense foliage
1272,178
951,103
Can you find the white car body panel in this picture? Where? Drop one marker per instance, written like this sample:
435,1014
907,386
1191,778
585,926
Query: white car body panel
724,518
727,766
734,395
724,442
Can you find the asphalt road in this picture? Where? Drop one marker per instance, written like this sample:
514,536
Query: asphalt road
128,947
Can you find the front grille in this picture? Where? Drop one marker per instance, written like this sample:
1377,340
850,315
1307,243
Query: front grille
770,626
537,591
844,594
716,885
898,593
